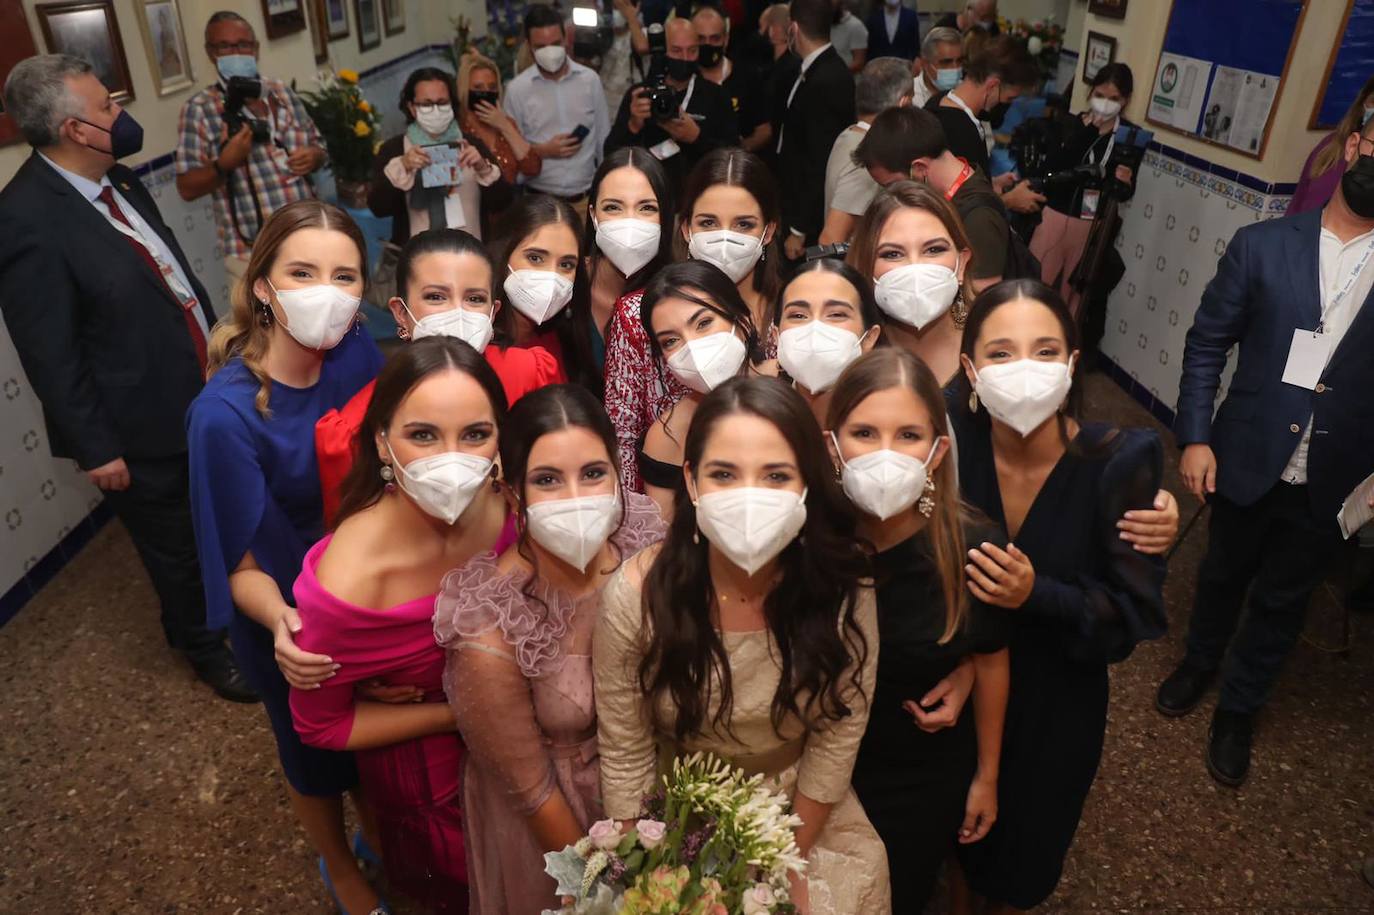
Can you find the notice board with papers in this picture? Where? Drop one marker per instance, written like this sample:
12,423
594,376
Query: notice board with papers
1221,69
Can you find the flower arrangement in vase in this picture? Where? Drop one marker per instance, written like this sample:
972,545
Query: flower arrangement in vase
348,125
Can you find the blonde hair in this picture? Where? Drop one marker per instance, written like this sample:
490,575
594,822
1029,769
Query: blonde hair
472,60
1353,122
246,331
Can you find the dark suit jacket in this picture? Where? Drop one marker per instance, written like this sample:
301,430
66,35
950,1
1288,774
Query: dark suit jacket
822,107
102,339
906,45
1267,285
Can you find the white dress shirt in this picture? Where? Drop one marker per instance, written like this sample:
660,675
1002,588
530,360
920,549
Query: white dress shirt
806,63
1336,263
920,92
152,241
543,108
892,16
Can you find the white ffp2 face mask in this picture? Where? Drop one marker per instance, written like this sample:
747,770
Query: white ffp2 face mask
816,353
574,529
538,294
884,482
628,243
472,327
551,58
318,316
1025,393
1104,108
917,294
435,120
443,485
707,361
749,524
733,252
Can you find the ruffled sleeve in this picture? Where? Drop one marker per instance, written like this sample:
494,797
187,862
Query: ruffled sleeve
643,525
625,738
334,435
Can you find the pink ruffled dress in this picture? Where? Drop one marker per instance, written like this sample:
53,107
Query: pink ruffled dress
519,680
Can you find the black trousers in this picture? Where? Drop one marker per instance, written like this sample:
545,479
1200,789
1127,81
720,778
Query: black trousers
1278,550
156,511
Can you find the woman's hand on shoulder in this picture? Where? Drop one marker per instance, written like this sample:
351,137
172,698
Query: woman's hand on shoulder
302,669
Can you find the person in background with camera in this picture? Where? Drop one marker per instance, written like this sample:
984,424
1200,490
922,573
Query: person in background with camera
247,140
560,107
110,324
742,83
849,188
401,185
820,104
675,115
1071,207
940,67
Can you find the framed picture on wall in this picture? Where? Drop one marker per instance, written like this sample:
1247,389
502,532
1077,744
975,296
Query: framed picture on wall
90,31
165,41
16,43
394,16
1101,51
283,17
369,18
319,30
336,16
1112,9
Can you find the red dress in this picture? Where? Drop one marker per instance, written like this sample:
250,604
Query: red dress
521,370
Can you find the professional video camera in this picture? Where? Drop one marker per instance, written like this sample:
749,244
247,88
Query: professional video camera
835,249
592,35
663,98
238,91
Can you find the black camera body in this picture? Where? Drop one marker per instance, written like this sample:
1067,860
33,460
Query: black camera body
836,250
663,98
237,91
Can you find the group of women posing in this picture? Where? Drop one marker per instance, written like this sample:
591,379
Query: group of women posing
625,492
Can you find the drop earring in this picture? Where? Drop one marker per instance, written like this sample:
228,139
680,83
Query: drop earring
264,313
402,333
926,504
973,401
389,477
958,312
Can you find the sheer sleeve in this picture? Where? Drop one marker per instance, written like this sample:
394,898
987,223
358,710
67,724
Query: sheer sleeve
624,736
1118,601
828,759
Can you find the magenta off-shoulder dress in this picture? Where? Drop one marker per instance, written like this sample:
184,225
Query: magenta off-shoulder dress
519,679
413,787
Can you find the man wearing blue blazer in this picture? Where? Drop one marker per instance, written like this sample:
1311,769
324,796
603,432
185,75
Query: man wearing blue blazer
893,31
1293,438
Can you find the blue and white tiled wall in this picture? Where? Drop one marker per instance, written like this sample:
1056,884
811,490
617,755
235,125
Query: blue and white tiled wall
1173,233
47,508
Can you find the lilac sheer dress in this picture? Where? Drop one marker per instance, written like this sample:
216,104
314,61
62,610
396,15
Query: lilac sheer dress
519,680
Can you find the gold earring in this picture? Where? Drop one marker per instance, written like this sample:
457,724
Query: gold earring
958,312
926,504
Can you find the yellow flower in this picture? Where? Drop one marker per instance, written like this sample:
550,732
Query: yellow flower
348,76
363,105
362,128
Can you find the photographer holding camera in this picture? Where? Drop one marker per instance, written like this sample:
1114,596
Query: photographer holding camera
246,139
674,114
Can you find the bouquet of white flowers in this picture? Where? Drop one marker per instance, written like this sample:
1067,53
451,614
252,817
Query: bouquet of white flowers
715,842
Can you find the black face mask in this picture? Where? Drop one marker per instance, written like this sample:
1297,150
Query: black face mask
476,96
1357,187
996,114
681,70
709,55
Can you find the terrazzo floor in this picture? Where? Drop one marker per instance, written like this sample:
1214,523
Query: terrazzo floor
126,786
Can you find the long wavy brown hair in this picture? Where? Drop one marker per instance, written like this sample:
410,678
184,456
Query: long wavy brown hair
246,331
863,252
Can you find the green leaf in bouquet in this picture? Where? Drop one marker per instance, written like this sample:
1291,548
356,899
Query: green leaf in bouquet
627,844
566,867
634,863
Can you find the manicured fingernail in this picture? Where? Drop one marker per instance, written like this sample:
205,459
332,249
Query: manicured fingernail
336,666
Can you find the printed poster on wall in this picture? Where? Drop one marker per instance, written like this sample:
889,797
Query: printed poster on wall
1238,108
1180,86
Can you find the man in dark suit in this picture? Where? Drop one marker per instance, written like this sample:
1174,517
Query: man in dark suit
893,31
1293,438
820,105
111,326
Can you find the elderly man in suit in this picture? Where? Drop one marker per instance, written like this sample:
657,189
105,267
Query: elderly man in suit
111,326
1292,439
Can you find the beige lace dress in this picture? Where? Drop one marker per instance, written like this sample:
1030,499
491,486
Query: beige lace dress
847,868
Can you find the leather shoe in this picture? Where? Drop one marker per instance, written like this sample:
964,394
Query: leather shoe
221,673
1228,747
1183,689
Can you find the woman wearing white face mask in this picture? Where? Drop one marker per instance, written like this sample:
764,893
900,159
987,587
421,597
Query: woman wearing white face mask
518,629
421,499
1056,486
1062,235
417,199
750,633
444,278
926,788
288,351
702,334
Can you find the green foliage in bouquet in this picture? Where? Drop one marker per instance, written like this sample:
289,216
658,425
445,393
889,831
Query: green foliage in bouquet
347,124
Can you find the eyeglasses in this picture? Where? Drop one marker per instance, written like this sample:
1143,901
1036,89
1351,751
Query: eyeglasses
430,107
231,47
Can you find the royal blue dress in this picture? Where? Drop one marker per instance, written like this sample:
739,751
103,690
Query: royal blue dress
1093,600
255,487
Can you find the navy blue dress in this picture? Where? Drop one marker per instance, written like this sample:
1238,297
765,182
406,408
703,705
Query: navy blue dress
255,487
1094,599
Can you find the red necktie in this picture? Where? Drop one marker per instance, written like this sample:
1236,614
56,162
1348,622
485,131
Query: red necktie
197,335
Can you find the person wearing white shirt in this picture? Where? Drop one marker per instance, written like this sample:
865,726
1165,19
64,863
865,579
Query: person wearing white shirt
849,36
551,102
849,188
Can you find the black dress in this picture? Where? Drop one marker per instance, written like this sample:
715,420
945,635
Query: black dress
1094,599
913,785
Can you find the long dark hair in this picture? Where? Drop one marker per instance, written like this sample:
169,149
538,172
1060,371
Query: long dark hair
869,312
449,241
404,369
703,284
810,611
573,324
734,167
641,161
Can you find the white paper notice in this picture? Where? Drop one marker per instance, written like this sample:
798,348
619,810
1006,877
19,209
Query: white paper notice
1179,89
1355,512
1256,98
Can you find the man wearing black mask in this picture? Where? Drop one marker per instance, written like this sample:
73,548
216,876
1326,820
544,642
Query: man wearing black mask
743,84
1290,442
702,118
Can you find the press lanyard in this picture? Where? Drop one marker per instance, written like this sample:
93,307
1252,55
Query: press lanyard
964,174
184,295
968,111
1111,142
1349,283
687,97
